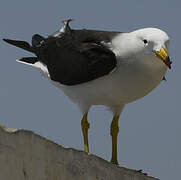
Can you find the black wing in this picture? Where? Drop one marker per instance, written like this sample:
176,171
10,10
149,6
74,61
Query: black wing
74,59
74,56
21,44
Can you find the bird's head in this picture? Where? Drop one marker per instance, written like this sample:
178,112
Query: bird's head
153,42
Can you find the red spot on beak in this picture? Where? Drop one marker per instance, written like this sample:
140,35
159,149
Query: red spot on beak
168,62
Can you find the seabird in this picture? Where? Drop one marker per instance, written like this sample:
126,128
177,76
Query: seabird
100,67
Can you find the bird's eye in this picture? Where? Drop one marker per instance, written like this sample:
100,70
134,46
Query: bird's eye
145,41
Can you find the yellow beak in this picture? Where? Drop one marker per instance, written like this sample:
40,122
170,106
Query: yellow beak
163,55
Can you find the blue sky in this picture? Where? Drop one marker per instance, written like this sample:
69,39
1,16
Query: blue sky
150,128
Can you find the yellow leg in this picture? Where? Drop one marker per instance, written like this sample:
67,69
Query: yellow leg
85,126
114,129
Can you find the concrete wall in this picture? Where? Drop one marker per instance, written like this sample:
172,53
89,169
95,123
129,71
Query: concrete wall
27,156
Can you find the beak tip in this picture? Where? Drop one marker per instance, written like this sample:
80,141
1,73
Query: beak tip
168,62
163,55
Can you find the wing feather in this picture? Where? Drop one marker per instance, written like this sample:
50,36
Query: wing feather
75,62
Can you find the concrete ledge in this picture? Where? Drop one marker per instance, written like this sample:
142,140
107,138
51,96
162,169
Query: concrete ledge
28,156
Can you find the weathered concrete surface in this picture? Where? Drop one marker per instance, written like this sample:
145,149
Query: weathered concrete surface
27,156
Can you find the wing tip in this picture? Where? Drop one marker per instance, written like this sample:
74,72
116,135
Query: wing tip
6,40
20,44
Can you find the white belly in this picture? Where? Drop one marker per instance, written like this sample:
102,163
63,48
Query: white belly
128,83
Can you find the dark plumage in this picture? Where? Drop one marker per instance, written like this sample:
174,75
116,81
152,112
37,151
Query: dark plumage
72,56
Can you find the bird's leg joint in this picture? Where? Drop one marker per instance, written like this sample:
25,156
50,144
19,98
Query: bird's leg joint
114,130
85,124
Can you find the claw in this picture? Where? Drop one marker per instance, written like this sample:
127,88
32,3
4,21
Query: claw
141,171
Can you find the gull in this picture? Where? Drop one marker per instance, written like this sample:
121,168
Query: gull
94,67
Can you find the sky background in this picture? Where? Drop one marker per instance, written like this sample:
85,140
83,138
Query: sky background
150,128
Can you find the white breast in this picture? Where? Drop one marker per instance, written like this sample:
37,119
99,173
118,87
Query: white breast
127,83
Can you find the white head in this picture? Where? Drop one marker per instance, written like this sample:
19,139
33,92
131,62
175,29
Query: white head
150,42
